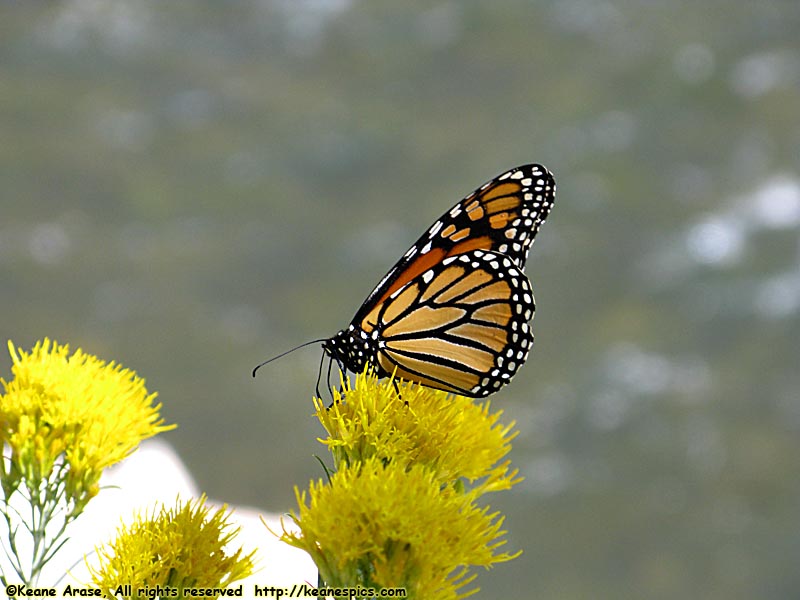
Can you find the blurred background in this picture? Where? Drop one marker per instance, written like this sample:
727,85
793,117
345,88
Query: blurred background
190,188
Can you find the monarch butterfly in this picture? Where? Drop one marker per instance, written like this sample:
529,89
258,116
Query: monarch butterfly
453,313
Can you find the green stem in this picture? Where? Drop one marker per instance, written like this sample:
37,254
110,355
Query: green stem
49,516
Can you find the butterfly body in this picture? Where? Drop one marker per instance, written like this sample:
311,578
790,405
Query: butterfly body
453,312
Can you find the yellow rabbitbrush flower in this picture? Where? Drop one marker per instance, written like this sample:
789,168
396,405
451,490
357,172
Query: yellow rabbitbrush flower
64,418
174,548
384,525
449,434
76,408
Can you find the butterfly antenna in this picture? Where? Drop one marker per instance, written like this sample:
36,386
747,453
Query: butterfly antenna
282,354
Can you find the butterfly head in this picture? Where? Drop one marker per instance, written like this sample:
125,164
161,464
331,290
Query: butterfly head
352,348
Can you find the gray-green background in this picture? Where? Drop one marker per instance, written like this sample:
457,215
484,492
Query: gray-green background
191,187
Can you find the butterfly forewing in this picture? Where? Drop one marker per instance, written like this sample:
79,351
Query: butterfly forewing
469,335
501,216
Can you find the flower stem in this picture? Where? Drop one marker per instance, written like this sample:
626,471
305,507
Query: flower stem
46,525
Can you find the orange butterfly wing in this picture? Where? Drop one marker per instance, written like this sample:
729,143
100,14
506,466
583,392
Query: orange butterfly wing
461,326
501,216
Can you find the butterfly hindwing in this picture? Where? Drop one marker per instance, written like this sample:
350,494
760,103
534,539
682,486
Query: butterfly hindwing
461,326
502,216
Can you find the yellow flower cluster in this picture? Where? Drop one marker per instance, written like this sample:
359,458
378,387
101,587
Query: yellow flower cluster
383,525
451,435
73,415
401,510
176,548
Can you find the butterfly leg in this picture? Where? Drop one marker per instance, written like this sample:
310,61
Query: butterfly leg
397,389
328,379
342,369
319,375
